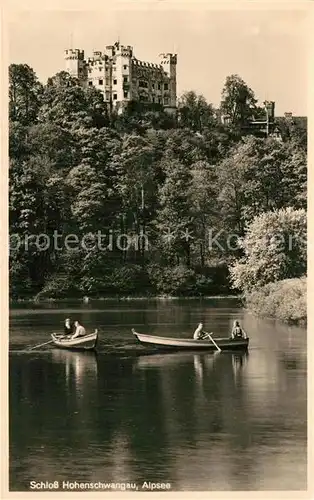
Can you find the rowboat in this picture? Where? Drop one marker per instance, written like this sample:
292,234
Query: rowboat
224,343
84,343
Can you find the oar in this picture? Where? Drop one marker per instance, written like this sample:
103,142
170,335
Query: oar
40,345
211,338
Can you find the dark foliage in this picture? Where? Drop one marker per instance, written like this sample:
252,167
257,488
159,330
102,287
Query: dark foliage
127,203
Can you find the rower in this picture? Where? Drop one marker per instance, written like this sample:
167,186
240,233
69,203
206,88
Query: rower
237,331
79,330
198,334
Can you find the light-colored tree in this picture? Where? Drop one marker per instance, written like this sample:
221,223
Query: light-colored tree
274,248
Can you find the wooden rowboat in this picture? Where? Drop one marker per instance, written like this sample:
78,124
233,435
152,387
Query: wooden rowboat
186,343
84,343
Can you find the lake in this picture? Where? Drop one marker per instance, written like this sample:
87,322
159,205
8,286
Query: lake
129,419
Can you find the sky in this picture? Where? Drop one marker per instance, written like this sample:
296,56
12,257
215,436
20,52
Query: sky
267,48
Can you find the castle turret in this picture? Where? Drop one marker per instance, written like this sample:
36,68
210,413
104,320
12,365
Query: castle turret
169,64
75,64
122,79
270,109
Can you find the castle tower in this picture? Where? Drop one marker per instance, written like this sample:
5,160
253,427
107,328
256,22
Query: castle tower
169,64
75,64
270,109
122,77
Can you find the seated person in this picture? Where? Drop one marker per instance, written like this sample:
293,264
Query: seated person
68,327
79,330
198,334
237,331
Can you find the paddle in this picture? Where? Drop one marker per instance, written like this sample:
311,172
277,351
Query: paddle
211,338
40,345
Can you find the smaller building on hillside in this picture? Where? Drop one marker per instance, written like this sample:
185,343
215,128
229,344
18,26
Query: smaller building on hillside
264,126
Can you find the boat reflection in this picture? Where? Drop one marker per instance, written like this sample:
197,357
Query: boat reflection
78,366
239,360
205,366
167,360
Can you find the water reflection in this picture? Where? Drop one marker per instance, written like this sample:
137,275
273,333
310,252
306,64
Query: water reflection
203,421
78,367
203,363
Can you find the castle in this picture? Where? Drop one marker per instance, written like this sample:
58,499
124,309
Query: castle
123,78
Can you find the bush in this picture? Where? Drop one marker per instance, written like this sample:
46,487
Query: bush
275,249
284,300
178,280
130,279
181,280
59,287
20,284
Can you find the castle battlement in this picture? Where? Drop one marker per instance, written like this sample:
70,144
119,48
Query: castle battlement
147,64
121,77
74,54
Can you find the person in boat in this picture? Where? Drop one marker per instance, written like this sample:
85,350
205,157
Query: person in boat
68,327
199,334
79,330
237,331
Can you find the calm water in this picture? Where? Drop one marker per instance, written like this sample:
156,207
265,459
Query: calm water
215,421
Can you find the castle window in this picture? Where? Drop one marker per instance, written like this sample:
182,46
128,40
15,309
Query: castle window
125,79
166,86
101,82
153,85
90,83
115,96
125,94
159,86
100,68
166,100
125,67
115,82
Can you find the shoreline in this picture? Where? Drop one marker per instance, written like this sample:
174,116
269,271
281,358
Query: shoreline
87,300
159,298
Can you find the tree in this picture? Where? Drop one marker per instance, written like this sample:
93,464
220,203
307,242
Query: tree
295,178
238,100
275,249
185,146
90,199
204,203
175,216
25,94
194,112
53,142
18,147
62,79
138,117
73,107
98,148
35,209
260,175
293,130
137,185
